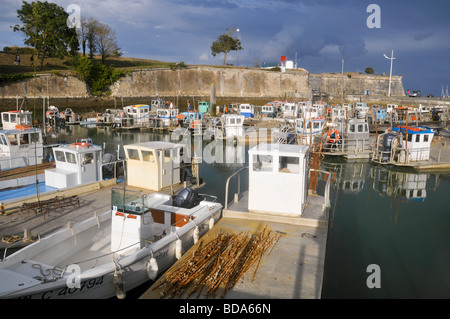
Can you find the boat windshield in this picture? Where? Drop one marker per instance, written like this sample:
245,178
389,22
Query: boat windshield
128,201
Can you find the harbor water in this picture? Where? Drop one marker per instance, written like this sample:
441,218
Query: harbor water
389,230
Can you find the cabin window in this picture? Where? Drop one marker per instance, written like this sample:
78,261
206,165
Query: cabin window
352,128
167,156
60,156
12,139
263,163
238,121
147,156
13,118
425,138
71,158
3,140
24,139
232,121
409,137
417,137
360,128
5,118
366,127
133,154
316,125
87,158
289,164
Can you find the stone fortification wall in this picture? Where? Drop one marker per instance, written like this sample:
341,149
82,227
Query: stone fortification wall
354,84
45,85
230,82
197,81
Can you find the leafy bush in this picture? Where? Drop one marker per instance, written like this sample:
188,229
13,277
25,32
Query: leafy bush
14,77
369,70
96,75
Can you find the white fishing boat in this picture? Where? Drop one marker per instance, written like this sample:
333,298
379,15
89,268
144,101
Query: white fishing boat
268,111
167,117
348,138
247,110
16,119
52,115
360,111
70,117
135,241
228,126
21,146
113,252
309,130
139,114
289,110
405,146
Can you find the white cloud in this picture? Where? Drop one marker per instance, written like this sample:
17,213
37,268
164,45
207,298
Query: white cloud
330,49
204,57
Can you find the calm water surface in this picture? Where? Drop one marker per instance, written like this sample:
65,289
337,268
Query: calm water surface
399,221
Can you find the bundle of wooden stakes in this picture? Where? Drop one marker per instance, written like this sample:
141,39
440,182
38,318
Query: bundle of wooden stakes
219,264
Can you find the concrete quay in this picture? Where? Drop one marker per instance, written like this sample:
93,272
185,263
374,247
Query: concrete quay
292,269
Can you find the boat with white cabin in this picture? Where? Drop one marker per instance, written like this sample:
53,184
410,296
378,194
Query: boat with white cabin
137,240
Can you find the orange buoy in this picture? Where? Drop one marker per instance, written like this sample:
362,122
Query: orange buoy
23,127
333,136
77,145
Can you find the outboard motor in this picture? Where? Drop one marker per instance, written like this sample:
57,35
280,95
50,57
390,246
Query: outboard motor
186,198
387,144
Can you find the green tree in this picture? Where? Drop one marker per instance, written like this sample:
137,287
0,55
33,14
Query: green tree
45,28
226,43
369,70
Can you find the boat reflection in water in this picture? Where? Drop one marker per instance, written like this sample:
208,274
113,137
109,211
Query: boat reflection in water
397,220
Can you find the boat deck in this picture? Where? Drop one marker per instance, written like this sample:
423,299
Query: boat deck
292,269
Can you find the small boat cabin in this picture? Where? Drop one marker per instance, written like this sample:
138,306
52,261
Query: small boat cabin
309,129
271,168
138,113
416,141
248,110
168,116
338,113
153,165
404,144
11,119
233,125
289,110
21,147
157,104
268,110
76,164
204,107
360,110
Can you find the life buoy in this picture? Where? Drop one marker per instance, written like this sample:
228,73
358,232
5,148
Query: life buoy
335,137
83,144
411,128
23,127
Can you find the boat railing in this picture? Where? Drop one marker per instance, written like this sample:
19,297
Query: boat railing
238,174
329,177
403,155
348,145
115,163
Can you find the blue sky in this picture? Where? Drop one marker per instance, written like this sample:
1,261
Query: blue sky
320,32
